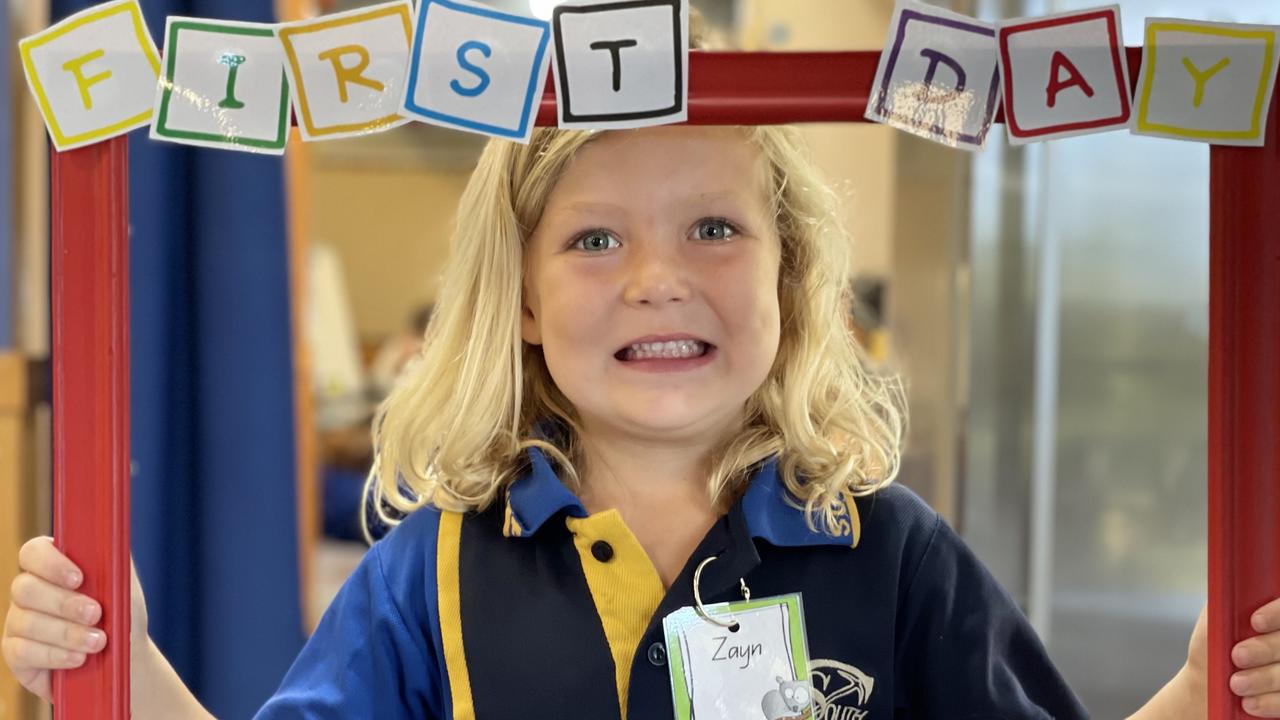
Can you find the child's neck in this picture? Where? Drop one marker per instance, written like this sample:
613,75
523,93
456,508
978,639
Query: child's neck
663,500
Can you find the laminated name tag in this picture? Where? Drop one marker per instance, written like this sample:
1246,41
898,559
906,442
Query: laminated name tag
756,668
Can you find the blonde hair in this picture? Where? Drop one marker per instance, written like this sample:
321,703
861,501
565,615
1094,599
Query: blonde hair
454,431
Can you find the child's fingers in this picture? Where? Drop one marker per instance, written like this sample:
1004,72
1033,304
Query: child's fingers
54,631
20,652
1264,706
1258,681
39,557
1267,617
32,593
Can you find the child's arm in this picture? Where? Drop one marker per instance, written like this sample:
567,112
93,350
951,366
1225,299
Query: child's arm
1178,699
49,626
158,692
374,653
1258,681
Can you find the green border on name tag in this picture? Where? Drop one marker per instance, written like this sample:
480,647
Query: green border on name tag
681,618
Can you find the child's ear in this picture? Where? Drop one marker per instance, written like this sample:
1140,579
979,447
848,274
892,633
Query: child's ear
529,329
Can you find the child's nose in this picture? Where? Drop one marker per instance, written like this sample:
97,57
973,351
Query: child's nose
656,276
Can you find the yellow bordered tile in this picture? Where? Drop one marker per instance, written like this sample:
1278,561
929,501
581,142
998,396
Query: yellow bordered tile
127,103
1241,58
348,69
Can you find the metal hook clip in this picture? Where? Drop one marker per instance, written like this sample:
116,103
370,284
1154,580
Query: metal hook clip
732,622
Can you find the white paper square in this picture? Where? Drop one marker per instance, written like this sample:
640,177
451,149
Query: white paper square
210,68
938,76
477,69
651,73
1036,52
715,677
378,35
118,65
1234,98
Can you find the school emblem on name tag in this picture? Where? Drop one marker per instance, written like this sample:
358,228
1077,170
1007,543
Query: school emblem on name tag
741,660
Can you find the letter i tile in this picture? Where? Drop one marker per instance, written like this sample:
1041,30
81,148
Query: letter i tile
223,85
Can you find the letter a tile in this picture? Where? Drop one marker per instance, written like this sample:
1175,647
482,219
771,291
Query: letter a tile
1064,75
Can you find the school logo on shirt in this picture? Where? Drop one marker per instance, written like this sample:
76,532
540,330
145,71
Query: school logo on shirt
840,691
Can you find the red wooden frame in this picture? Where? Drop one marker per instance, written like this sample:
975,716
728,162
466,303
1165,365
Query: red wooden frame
91,354
90,264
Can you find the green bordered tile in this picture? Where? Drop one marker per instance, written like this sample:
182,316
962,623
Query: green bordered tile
195,99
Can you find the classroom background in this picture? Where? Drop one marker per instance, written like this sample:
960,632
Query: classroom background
1047,305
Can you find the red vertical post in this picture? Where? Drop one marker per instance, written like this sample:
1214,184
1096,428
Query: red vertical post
1244,399
90,305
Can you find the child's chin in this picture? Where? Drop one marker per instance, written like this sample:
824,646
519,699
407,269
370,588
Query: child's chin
664,421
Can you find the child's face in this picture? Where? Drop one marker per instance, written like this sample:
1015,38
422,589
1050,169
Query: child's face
661,231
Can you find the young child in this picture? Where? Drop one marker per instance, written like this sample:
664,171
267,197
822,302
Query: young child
639,362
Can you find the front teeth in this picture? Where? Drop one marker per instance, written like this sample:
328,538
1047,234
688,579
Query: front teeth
668,350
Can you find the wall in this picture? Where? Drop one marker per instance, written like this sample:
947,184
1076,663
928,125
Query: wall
859,157
391,227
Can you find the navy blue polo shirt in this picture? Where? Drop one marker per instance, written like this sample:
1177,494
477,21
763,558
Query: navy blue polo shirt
536,609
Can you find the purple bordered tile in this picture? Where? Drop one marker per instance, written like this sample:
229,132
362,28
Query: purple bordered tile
993,93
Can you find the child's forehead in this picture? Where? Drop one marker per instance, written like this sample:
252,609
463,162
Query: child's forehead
695,163
695,139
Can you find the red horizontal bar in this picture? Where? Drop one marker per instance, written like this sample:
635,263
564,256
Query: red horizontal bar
774,88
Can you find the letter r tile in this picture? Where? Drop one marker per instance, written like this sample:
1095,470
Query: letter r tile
348,69
937,77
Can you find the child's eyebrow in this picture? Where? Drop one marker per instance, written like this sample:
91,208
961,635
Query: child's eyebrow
588,206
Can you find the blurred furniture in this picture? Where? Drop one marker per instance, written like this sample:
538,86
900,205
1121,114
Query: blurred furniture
19,394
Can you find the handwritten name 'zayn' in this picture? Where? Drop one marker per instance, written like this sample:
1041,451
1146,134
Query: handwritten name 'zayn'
743,653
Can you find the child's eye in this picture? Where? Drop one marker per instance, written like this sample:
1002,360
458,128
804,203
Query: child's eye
594,240
715,229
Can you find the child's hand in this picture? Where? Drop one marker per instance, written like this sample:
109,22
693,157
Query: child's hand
1257,659
51,627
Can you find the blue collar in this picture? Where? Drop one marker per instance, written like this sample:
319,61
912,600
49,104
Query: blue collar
770,511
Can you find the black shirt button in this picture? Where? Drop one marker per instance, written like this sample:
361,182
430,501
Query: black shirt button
658,654
602,551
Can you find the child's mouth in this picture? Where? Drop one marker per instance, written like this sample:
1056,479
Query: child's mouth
674,350
668,356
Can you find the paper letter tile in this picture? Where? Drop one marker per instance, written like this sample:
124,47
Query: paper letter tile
478,69
938,76
1205,81
94,74
1064,75
223,86
621,64
348,69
